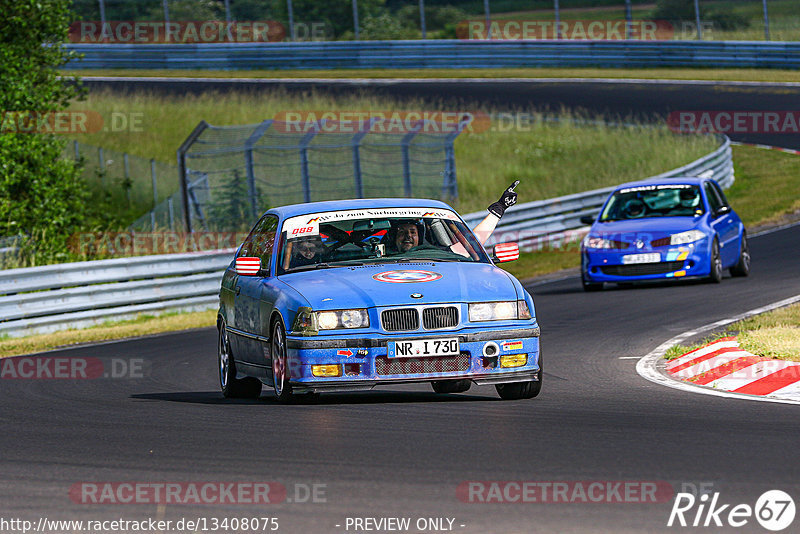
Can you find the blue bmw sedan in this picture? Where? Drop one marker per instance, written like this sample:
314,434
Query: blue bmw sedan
675,228
349,295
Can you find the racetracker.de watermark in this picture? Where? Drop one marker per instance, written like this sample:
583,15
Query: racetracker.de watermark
564,491
143,243
71,368
196,492
738,121
70,122
381,121
573,30
184,32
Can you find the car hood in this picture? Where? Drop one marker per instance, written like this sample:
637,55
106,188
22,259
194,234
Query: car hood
362,286
654,226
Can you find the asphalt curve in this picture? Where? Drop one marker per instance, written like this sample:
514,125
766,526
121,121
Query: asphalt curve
641,100
403,451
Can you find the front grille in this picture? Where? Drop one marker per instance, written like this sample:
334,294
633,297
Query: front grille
441,317
400,319
641,269
417,366
663,242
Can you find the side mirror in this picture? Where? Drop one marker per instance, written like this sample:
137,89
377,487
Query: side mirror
506,252
587,220
721,211
248,266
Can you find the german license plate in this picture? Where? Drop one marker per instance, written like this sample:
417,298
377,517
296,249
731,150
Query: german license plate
420,348
641,258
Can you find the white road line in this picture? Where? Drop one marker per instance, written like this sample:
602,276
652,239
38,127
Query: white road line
648,366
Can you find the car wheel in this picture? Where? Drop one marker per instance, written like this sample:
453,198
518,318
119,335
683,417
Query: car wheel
742,267
451,386
280,364
232,387
592,286
521,390
716,264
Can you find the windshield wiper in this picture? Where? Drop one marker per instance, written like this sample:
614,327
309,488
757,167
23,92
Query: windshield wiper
342,262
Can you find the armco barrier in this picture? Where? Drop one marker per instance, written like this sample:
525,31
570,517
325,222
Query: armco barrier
44,299
54,297
534,223
421,54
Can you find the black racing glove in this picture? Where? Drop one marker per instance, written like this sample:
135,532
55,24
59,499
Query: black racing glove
508,199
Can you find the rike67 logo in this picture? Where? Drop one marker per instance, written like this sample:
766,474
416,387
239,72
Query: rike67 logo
774,510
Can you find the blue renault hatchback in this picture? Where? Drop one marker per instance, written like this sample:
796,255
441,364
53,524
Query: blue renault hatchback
676,228
349,295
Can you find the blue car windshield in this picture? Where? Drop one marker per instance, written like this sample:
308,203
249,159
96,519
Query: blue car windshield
682,200
380,235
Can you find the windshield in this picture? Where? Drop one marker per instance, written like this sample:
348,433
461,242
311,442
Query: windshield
381,235
654,201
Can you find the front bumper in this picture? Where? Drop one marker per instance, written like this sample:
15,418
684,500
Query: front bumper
365,363
600,265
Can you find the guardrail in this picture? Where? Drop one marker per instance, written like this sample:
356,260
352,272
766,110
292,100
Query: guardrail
557,220
442,53
39,300
53,297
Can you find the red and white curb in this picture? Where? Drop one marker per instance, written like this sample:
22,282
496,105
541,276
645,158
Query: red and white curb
653,367
724,365
767,147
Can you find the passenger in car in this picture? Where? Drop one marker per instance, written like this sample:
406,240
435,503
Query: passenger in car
307,251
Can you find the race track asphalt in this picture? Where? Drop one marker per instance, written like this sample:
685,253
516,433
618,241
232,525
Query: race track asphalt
403,451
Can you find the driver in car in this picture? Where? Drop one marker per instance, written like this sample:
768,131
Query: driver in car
407,236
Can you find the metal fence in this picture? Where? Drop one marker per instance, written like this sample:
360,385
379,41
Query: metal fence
232,174
441,54
435,18
137,182
39,300
556,221
53,297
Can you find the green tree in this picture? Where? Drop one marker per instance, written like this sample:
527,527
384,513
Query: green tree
41,195
337,14
684,10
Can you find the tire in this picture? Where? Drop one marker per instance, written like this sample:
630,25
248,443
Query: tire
521,390
280,364
451,386
592,286
232,387
715,276
588,286
742,267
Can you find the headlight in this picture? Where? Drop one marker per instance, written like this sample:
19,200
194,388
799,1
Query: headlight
686,237
305,322
330,320
499,311
597,242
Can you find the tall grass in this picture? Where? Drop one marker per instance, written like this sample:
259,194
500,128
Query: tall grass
550,158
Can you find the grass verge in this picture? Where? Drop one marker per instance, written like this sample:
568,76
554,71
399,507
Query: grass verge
774,334
767,185
731,75
141,326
